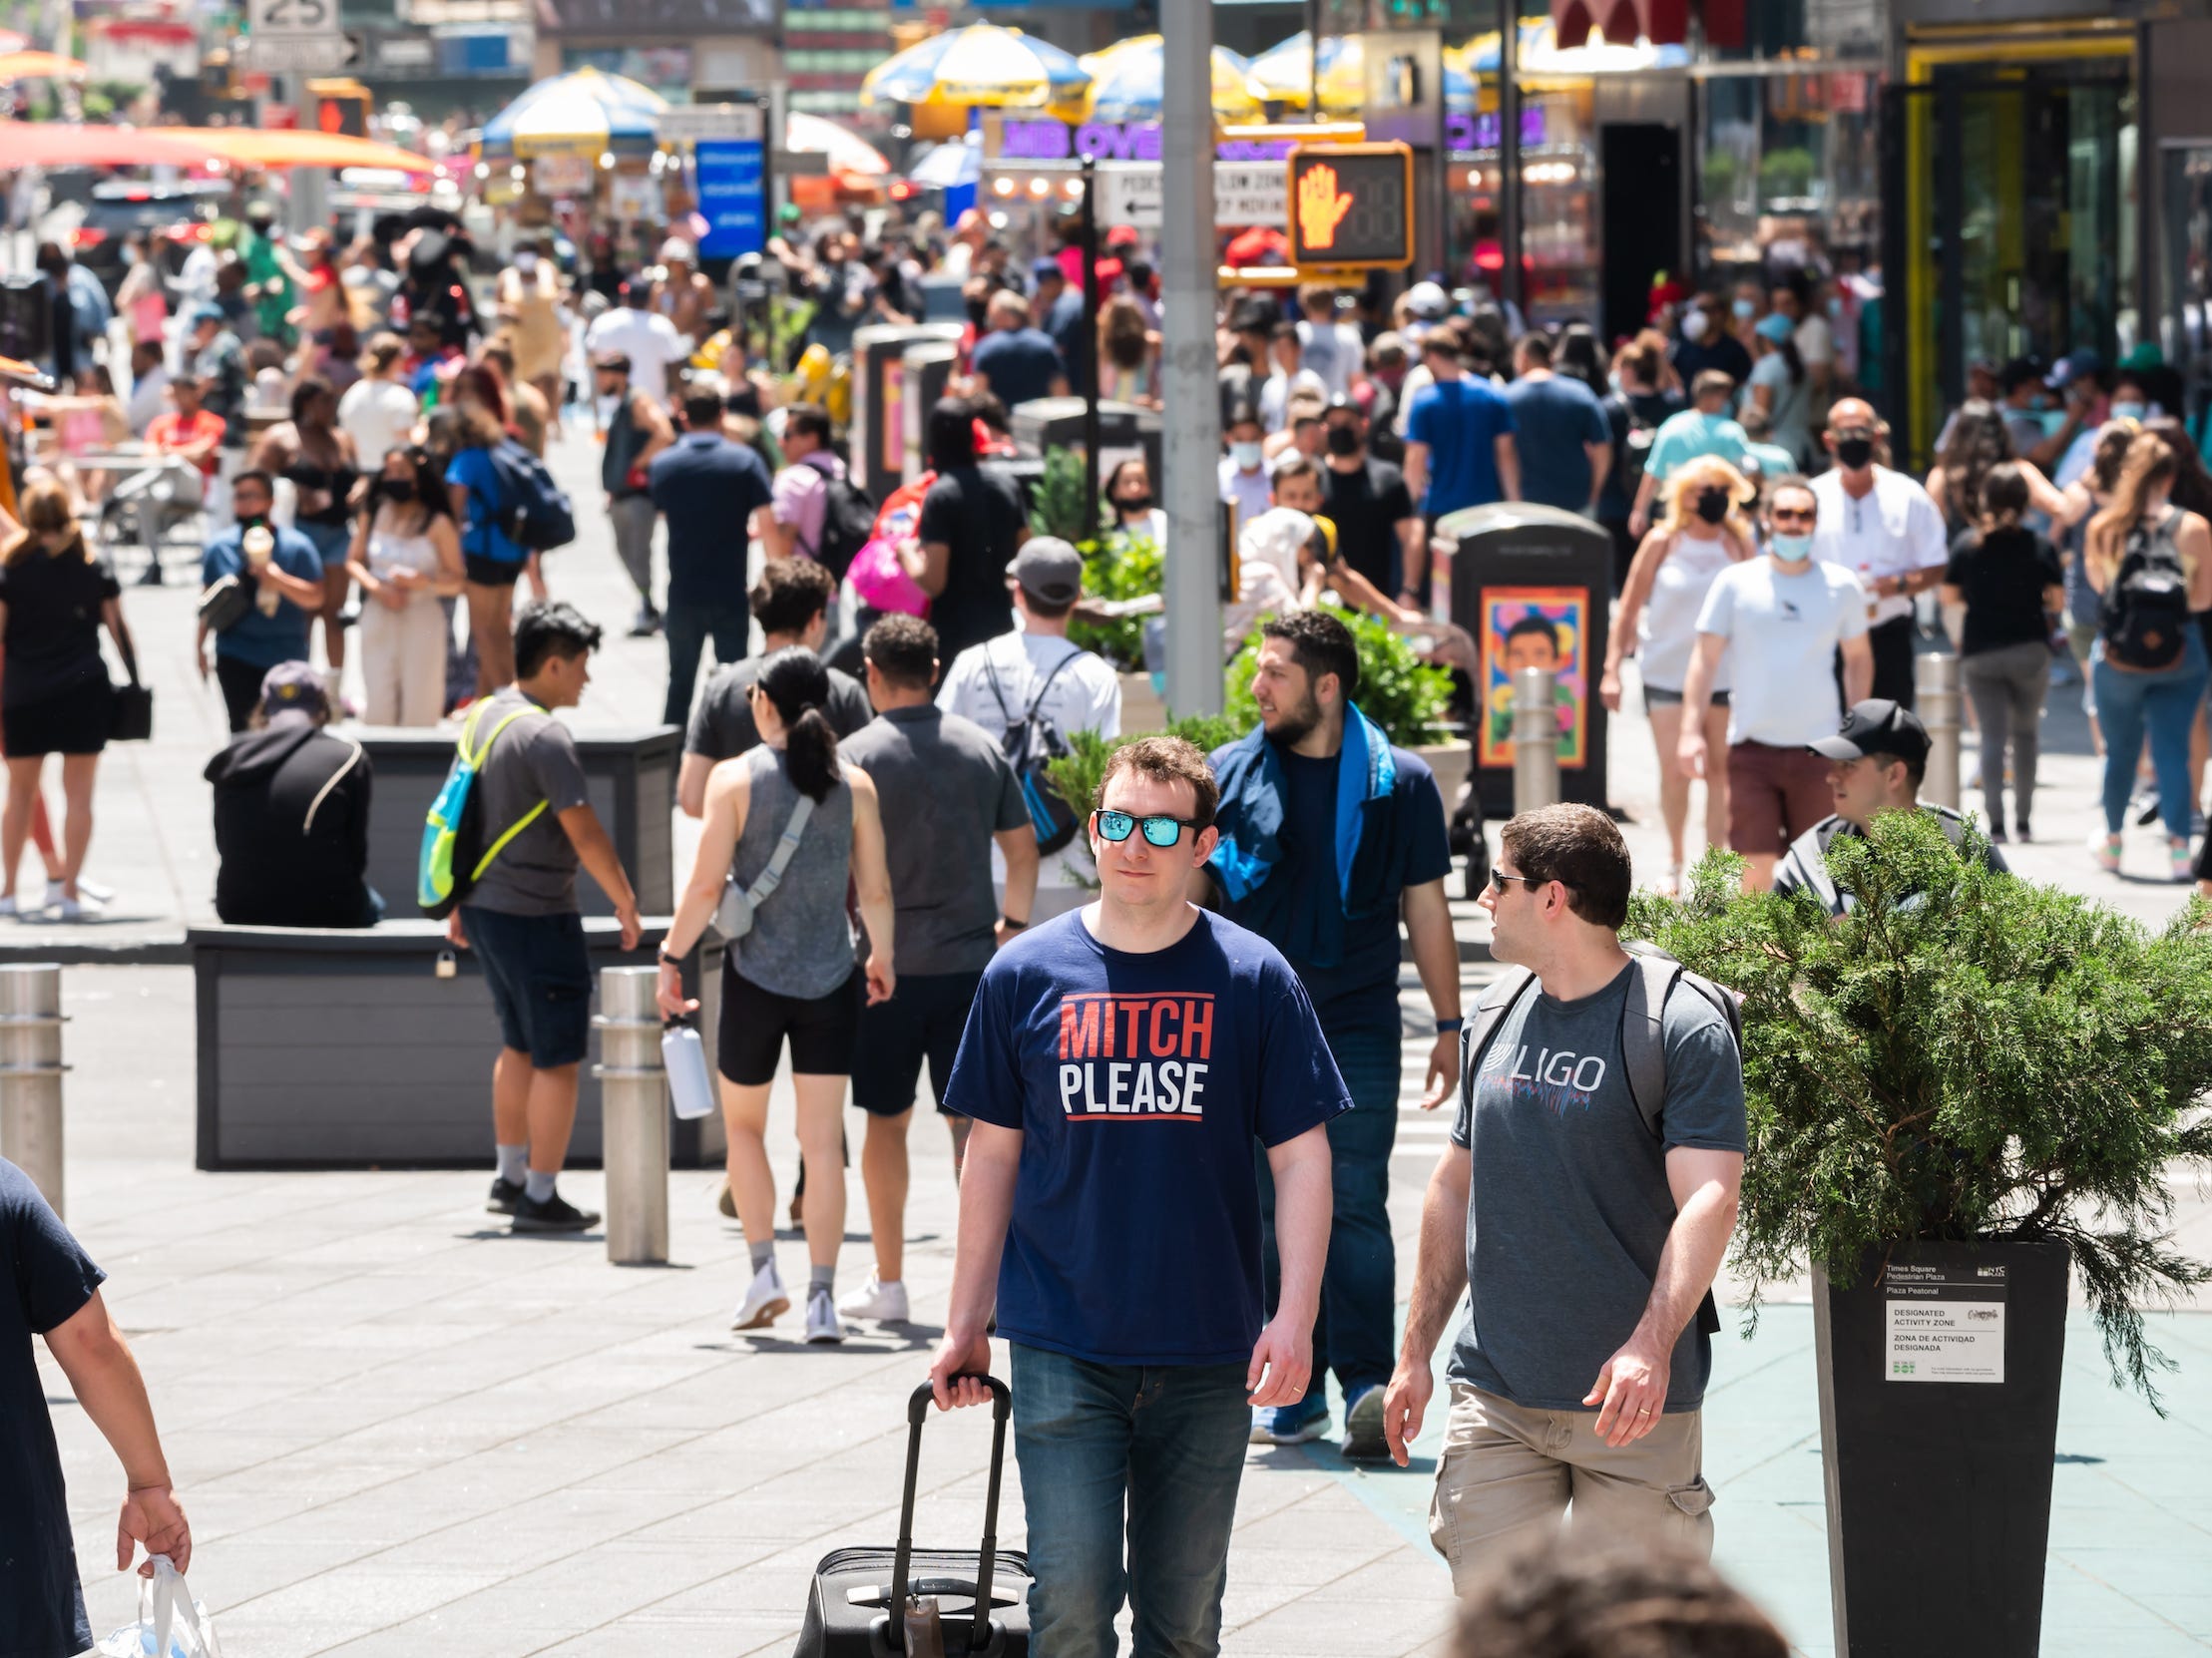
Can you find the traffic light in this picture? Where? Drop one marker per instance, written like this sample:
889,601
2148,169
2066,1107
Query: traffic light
1351,206
341,107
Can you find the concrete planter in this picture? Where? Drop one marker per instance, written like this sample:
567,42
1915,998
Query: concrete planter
1141,706
1450,762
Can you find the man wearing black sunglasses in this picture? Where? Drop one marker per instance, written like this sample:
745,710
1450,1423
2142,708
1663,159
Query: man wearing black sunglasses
1143,1044
1329,835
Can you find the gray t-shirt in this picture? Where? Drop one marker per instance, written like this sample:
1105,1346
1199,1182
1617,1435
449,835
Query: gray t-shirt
533,759
935,769
722,725
1569,1205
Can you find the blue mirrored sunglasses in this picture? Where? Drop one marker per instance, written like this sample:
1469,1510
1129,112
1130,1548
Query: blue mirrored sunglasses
1159,829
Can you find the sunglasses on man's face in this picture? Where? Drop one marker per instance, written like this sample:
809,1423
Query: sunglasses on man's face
1498,877
1790,514
1159,829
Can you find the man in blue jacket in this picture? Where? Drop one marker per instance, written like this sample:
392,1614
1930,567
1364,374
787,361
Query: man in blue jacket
1329,835
287,593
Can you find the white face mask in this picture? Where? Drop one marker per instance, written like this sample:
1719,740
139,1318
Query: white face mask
1693,326
1246,456
526,262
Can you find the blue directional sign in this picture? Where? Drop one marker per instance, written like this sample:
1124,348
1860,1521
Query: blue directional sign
733,198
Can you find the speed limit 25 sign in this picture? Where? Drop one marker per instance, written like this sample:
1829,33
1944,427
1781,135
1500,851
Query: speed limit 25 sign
1351,204
291,19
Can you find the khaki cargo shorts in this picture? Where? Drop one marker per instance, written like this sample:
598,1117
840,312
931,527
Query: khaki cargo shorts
1509,1474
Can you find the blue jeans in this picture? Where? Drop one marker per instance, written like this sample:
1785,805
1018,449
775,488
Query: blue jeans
2166,705
687,627
1168,1443
1353,1334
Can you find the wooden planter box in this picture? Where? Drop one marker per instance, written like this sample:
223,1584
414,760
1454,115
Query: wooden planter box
631,775
330,1048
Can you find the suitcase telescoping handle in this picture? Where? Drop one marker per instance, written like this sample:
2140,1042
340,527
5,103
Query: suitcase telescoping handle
917,1410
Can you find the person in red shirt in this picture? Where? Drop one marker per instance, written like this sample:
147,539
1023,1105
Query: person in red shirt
189,432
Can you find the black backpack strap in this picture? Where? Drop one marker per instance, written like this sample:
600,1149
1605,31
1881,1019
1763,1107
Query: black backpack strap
991,673
1642,1034
1038,702
1490,1009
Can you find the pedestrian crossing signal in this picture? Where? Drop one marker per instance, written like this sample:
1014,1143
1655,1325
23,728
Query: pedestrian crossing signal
1351,206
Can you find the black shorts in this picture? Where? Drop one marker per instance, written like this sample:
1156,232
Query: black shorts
755,1022
492,573
1658,696
922,1021
76,723
539,974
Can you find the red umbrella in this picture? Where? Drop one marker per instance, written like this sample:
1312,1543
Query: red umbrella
56,144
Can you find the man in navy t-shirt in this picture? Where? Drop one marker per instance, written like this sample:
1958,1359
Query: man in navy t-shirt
710,489
1119,1063
1560,432
1015,362
1328,835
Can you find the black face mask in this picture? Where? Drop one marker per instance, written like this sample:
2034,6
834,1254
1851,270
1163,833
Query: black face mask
1134,503
1344,440
1853,453
395,489
977,311
1712,505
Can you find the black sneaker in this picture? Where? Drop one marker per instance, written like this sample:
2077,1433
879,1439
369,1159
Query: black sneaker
555,1214
1996,833
506,1196
2020,832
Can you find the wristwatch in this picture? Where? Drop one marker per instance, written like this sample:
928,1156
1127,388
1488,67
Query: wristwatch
1447,1025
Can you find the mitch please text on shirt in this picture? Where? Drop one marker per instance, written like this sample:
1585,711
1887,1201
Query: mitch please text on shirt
1125,1058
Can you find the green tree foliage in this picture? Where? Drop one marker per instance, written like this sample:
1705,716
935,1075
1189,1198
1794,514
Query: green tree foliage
1058,509
1122,566
1965,1055
1405,695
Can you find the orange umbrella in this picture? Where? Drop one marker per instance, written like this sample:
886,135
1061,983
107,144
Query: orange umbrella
56,144
251,147
41,66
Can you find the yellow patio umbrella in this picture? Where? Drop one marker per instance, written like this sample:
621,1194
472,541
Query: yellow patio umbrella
982,65
1128,81
41,66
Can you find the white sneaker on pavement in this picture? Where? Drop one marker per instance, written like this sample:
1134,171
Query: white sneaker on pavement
763,1301
876,1301
93,890
822,1326
83,907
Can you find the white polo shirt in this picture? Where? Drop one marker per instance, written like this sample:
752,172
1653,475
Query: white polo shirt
1893,530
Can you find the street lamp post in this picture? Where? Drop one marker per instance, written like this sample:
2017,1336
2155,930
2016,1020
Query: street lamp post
1090,351
1509,154
1190,424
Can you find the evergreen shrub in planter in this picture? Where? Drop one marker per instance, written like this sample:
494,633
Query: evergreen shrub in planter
1972,1078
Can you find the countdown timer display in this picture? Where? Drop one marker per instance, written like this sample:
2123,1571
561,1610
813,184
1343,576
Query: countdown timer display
1351,206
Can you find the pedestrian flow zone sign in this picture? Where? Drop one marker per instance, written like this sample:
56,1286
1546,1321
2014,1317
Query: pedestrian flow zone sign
1351,206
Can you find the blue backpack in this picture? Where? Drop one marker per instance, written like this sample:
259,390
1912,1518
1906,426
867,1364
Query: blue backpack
453,856
532,511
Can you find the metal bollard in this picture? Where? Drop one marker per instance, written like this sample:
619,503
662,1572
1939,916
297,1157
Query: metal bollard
634,1117
31,1074
1536,740
1936,700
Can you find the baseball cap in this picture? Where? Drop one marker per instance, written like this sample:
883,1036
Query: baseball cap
294,687
1774,326
204,312
1045,269
1876,727
2142,355
1427,300
1049,570
1122,235
2074,366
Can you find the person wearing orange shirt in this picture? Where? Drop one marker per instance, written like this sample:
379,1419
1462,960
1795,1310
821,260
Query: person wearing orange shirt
188,432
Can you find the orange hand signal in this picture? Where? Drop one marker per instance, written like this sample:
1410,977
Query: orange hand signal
1320,208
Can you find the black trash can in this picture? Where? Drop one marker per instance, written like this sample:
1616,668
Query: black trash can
1533,585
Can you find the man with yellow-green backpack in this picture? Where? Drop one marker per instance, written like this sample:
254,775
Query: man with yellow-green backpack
520,914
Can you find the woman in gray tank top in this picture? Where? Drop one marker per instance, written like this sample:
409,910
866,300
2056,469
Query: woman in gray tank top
791,977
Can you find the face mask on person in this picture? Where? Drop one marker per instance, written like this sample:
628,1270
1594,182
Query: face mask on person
2130,410
1712,505
1745,309
1133,504
1694,325
1853,453
1246,456
1835,306
396,489
1791,550
978,312
526,262
1344,440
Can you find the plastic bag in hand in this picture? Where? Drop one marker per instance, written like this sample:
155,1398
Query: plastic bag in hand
171,1623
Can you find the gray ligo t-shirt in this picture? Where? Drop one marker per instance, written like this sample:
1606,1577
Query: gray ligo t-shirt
1570,1206
533,759
944,788
722,725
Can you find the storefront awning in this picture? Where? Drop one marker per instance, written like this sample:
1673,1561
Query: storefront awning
1660,22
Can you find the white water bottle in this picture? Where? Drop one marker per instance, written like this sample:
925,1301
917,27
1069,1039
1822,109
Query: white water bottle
683,1056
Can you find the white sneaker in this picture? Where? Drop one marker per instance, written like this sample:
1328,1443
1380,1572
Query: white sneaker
822,1326
85,889
876,1301
9,907
763,1301
83,907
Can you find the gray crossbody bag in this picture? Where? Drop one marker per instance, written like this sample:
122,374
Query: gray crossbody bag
734,916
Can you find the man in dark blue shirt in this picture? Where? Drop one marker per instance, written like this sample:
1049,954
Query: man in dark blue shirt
1329,834
710,489
50,1287
284,574
1015,362
1560,432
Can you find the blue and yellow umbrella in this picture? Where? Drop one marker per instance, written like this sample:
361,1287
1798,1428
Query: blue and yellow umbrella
983,64
583,112
1128,81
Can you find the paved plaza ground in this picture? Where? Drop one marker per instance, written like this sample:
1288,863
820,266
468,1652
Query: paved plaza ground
399,1431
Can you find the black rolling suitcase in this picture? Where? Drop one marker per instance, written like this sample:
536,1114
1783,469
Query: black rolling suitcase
854,1610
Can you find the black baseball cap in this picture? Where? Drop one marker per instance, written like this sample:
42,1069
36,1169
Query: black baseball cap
1876,726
